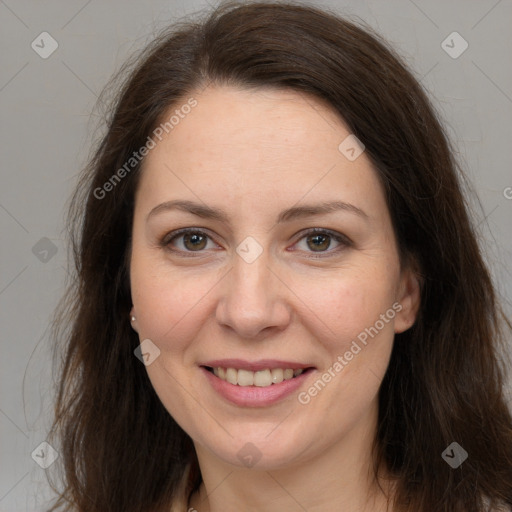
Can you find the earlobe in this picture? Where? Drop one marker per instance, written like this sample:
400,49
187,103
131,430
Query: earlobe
133,319
409,298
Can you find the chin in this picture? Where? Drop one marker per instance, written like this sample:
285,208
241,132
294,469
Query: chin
260,448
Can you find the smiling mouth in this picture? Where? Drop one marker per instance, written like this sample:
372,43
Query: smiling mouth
261,378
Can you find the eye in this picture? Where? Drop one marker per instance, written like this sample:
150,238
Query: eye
318,240
192,240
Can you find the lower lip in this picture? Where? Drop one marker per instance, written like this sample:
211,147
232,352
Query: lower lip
255,396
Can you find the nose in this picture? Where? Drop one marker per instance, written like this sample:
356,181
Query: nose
253,300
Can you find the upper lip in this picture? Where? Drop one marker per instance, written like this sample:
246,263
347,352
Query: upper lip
261,364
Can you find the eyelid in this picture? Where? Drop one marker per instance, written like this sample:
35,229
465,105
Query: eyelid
183,231
342,239
338,237
169,237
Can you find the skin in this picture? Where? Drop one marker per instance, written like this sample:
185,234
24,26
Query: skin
254,153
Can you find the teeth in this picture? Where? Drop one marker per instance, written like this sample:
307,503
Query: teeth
245,378
277,375
261,378
231,375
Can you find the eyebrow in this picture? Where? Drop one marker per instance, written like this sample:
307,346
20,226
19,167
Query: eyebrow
295,212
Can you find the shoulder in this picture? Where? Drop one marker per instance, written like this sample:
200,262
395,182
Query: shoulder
498,507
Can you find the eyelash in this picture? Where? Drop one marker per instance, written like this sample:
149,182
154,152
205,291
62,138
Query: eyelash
341,239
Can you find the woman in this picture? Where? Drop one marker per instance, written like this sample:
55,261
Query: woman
281,303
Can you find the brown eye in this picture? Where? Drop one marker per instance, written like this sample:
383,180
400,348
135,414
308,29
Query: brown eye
319,242
194,241
186,241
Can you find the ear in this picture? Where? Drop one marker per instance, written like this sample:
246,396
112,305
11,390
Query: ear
133,319
409,297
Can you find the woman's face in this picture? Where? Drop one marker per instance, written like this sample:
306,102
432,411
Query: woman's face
252,287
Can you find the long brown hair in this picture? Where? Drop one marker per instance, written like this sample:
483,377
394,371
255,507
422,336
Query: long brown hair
120,449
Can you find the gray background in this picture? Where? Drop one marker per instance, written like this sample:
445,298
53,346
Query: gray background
47,131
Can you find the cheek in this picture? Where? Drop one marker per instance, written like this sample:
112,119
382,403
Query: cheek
168,303
343,307
170,309
357,347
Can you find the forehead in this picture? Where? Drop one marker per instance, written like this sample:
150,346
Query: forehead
270,145
273,123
